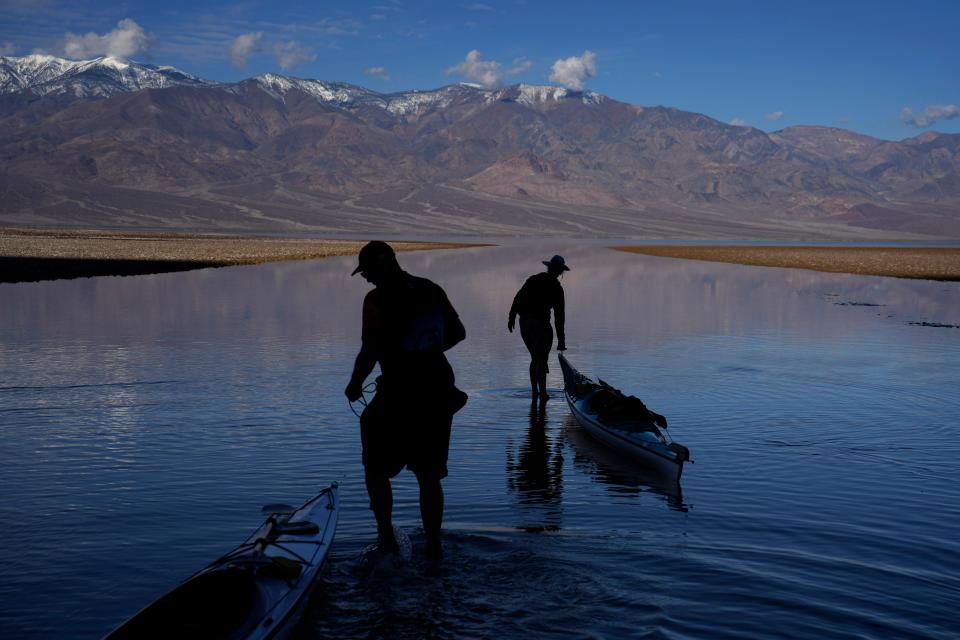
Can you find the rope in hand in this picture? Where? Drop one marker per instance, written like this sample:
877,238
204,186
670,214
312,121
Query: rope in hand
370,387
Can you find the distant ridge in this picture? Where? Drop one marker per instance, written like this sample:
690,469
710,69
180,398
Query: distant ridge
111,142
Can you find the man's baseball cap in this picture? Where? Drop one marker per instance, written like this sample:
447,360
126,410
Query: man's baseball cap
374,253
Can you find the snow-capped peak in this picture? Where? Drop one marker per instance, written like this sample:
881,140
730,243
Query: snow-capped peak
347,95
536,94
100,77
113,62
39,58
409,102
338,93
414,102
17,74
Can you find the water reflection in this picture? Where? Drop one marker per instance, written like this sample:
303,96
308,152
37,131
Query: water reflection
619,474
535,471
148,420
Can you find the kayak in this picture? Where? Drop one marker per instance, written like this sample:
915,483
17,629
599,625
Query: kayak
256,591
623,423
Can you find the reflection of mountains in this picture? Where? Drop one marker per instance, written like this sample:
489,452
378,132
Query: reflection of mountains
535,471
620,474
608,293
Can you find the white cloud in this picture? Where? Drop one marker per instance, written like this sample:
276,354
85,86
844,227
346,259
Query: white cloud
485,72
377,72
378,16
477,6
774,115
930,115
575,70
739,122
519,66
243,46
291,53
128,39
7,49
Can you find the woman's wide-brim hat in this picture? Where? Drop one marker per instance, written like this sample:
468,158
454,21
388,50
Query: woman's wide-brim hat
557,262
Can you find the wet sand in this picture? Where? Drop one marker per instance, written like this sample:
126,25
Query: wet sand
32,255
925,263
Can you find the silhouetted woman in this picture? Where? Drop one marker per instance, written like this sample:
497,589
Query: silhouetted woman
538,295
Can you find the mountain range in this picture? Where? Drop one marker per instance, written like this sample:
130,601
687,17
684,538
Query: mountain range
113,143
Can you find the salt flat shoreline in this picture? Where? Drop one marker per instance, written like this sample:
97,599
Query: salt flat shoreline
34,255
28,255
926,263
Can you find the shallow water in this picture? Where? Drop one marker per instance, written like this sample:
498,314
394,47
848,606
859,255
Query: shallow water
146,421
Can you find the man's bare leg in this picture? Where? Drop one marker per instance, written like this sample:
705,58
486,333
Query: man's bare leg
431,512
381,503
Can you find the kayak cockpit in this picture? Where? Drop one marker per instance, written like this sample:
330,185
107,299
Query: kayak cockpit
221,604
627,413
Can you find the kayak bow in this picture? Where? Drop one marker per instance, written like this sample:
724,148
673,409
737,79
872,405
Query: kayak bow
256,591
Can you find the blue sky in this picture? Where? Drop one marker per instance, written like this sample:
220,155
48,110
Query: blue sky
856,65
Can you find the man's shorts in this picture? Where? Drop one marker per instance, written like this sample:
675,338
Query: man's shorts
398,432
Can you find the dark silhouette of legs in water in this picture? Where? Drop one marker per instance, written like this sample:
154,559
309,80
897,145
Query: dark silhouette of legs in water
538,338
538,375
431,512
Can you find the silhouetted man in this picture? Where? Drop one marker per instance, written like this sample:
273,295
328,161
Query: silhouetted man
533,302
408,323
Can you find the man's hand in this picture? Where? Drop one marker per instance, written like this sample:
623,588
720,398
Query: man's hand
354,391
510,325
561,345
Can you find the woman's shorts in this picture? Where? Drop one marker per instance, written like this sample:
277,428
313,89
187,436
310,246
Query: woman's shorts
538,336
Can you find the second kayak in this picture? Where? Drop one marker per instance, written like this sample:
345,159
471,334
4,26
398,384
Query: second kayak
256,591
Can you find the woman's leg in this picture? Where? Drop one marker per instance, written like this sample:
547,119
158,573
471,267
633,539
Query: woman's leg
543,352
538,337
529,333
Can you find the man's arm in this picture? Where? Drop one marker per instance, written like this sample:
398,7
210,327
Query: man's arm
367,358
362,367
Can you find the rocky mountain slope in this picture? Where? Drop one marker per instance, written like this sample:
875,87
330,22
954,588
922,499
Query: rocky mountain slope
114,143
